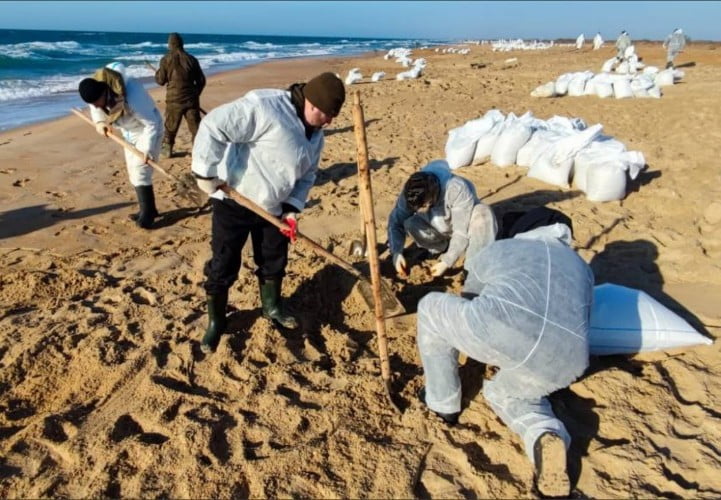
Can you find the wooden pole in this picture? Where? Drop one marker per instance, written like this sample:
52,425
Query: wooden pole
366,194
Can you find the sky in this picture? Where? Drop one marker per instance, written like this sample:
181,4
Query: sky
386,19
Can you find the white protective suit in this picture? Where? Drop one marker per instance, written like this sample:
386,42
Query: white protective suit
257,144
674,43
622,43
580,41
525,309
141,125
458,219
597,41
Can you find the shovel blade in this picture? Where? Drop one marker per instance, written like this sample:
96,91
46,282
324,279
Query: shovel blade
187,188
391,306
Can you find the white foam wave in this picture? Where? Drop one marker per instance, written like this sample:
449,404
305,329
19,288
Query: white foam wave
212,59
11,90
141,45
27,50
255,45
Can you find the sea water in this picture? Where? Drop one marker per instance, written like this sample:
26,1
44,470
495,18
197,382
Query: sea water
40,70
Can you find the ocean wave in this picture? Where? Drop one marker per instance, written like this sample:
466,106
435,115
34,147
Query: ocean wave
211,59
11,90
255,45
140,45
28,50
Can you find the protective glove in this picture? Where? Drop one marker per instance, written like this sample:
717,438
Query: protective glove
146,158
292,223
208,185
439,268
102,129
399,262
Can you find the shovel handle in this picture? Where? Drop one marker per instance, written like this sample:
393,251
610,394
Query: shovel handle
126,145
366,196
254,207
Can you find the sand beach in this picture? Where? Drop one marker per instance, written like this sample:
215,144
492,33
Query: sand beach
104,390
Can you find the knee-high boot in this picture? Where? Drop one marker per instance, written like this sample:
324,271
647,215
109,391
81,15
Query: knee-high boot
272,305
216,321
146,201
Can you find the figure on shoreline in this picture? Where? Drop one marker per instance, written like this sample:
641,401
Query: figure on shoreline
525,309
441,212
115,100
622,43
267,146
674,45
185,81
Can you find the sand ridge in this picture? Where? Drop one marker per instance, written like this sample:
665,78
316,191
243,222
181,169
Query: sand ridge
103,389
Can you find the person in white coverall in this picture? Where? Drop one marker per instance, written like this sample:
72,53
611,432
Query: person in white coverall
442,213
597,41
266,146
622,43
580,41
525,309
122,102
674,44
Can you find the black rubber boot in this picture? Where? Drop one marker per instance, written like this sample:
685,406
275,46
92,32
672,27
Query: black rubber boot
669,65
272,306
148,212
216,322
549,455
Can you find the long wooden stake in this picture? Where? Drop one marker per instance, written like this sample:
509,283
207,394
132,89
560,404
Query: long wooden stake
366,194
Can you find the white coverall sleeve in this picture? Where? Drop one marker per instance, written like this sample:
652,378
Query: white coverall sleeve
461,201
396,231
234,122
97,114
302,186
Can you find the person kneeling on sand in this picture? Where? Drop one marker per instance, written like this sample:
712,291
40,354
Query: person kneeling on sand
442,214
124,103
525,308
267,146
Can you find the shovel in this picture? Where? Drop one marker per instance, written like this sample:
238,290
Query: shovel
390,302
185,186
366,195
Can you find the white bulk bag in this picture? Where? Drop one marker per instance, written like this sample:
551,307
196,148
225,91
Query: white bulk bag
554,165
539,142
545,90
604,88
655,92
461,144
600,151
664,78
561,86
485,143
510,140
590,88
622,88
378,76
608,65
577,84
622,67
607,181
640,85
628,321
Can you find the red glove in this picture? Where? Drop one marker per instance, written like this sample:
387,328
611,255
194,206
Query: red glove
292,224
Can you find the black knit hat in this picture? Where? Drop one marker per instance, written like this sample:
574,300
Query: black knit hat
91,90
325,92
421,188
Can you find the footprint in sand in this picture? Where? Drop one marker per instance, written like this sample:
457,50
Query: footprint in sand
21,182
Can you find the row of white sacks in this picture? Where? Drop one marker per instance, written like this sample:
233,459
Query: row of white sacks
519,44
603,85
553,150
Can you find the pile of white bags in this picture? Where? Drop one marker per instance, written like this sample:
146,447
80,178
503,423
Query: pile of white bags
648,83
553,150
519,44
628,321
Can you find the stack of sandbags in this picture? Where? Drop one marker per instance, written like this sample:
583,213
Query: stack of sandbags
621,86
555,151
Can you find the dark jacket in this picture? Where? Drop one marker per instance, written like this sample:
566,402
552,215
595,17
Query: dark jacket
181,73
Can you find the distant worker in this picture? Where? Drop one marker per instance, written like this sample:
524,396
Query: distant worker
442,214
123,102
266,146
524,309
622,43
182,74
580,41
597,41
674,44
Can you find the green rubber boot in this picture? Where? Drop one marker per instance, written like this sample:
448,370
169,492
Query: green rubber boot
272,306
216,322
